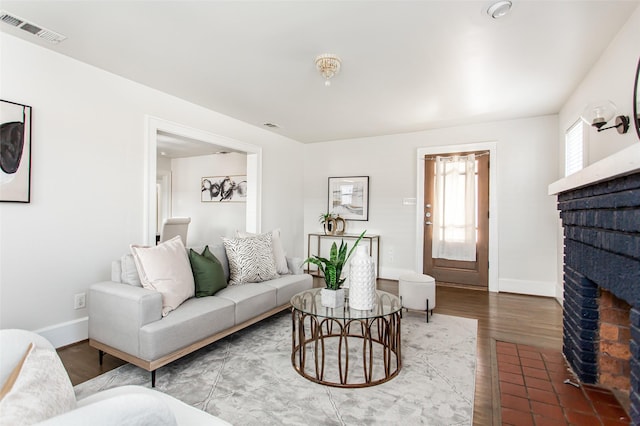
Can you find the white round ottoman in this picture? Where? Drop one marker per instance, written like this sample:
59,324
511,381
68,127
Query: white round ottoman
417,291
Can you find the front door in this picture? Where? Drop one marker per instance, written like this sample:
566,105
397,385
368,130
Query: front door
468,273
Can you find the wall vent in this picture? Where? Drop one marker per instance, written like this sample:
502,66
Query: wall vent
36,30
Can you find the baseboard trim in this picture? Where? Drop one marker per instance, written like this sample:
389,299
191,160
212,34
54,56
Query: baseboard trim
66,333
393,273
533,288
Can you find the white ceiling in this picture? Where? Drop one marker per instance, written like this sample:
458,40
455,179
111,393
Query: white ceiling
173,146
406,65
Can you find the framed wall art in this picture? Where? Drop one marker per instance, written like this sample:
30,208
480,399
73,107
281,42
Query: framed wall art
349,197
15,152
222,189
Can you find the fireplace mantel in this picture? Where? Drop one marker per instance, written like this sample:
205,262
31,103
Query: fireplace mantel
619,164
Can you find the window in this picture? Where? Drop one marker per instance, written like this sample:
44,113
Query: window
455,208
574,148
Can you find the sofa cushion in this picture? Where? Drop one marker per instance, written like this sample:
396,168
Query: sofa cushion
279,255
165,268
131,409
250,299
288,285
196,319
250,259
41,389
185,414
207,271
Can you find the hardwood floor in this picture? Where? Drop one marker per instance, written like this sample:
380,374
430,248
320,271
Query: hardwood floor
535,321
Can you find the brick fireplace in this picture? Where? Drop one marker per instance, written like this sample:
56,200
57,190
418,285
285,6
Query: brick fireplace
614,354
601,322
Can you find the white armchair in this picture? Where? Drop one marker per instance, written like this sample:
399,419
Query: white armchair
124,405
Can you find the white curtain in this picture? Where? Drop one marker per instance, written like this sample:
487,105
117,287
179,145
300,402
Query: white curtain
454,208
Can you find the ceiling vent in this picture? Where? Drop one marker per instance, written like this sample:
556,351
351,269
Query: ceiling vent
43,33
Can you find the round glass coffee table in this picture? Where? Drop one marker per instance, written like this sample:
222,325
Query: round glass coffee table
346,347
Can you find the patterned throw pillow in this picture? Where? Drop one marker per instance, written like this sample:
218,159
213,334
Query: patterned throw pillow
250,259
40,389
279,255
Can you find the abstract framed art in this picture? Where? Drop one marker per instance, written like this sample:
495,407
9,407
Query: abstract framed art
221,189
349,197
15,152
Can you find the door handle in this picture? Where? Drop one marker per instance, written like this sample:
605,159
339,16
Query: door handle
428,223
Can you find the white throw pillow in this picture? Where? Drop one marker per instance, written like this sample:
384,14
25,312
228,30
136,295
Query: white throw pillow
250,259
129,270
165,268
279,255
41,389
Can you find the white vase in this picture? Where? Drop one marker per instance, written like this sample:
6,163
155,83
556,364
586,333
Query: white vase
362,280
332,298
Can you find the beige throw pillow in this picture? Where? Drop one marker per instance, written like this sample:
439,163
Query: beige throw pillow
279,255
165,268
38,389
8,385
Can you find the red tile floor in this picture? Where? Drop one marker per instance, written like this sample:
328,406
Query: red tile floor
533,392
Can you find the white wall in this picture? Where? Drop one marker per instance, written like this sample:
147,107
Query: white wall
526,164
88,182
611,77
209,221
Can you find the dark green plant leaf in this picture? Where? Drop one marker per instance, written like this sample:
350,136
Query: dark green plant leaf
332,267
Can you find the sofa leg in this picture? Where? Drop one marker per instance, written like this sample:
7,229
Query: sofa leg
153,379
427,310
100,356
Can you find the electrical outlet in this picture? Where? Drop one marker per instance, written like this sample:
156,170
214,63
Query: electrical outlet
80,301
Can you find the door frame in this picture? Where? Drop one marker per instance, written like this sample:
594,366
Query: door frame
254,171
492,147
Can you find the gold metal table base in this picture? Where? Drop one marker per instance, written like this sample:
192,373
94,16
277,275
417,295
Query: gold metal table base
313,344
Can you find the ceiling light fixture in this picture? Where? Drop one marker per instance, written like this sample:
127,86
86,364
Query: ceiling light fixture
597,114
329,65
499,9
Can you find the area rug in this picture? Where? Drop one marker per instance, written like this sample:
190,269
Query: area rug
247,379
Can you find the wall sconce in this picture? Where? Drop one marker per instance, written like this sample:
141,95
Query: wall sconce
597,114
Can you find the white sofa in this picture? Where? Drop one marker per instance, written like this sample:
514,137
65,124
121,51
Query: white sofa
125,319
125,405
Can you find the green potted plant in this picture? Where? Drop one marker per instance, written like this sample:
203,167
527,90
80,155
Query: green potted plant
328,222
331,268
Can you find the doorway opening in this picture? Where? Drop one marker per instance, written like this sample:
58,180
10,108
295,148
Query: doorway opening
457,271
154,128
456,226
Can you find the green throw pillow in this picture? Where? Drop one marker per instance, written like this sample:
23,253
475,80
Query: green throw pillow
207,273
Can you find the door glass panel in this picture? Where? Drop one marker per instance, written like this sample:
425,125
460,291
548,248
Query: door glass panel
455,207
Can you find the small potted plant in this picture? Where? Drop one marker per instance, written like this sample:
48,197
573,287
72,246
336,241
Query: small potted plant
333,294
329,223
